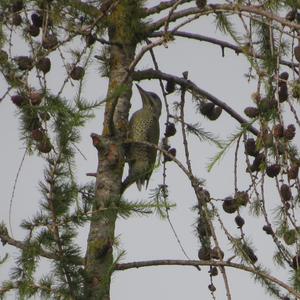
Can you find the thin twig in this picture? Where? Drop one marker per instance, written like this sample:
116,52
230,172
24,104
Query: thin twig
173,8
164,163
223,44
162,6
183,131
13,191
236,163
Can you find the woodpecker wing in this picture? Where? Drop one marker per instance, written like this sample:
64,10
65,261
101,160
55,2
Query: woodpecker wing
153,138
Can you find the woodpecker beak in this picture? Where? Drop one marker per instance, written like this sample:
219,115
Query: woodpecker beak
139,88
144,95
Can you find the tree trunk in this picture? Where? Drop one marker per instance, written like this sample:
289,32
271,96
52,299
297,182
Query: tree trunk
99,256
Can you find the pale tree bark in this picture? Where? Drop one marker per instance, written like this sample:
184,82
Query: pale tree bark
99,256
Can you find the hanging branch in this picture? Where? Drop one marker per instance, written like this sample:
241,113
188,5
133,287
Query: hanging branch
194,89
183,131
6,239
164,162
14,190
222,44
233,8
170,262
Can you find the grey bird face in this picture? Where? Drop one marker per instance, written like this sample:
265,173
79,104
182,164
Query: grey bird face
150,99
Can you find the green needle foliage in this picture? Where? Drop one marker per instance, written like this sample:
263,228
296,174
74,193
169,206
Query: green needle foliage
202,134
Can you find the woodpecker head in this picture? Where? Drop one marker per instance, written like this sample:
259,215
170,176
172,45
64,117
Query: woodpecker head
150,100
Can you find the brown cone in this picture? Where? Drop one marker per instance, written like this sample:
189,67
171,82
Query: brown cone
278,131
297,53
285,192
251,112
77,73
293,172
250,147
273,170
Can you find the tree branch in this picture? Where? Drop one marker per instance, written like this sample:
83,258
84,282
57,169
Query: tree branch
189,174
177,15
91,10
6,239
188,84
222,44
218,8
174,262
162,6
16,285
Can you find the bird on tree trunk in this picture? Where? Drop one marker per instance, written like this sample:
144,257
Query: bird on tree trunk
143,127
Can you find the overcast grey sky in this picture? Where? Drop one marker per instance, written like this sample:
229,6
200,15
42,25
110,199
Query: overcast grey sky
146,238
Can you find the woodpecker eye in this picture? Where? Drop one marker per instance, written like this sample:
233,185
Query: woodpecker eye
154,99
155,96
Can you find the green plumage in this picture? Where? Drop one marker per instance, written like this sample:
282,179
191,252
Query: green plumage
143,127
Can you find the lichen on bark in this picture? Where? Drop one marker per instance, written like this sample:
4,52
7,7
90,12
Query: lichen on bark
124,31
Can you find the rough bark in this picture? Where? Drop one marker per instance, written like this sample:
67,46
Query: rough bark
99,256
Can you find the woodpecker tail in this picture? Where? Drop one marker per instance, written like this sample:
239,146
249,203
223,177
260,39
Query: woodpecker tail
129,180
139,184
